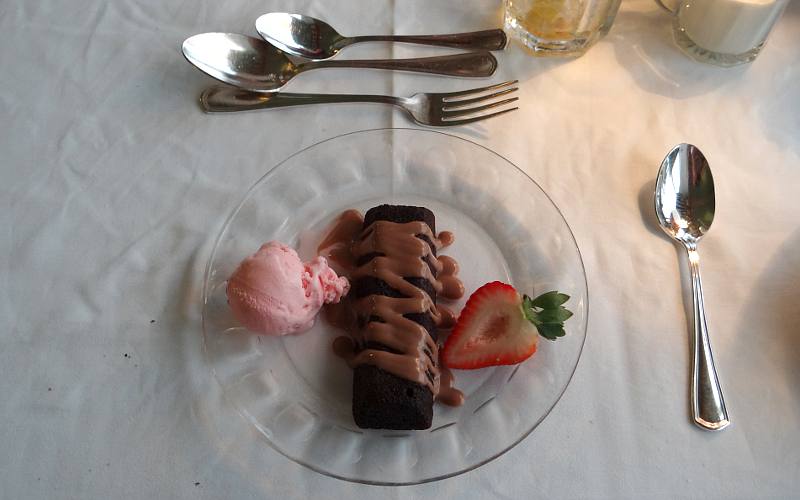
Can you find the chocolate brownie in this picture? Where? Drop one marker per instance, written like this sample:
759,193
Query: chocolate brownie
382,400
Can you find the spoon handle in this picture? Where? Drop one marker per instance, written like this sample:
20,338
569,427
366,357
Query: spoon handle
476,40
708,405
474,64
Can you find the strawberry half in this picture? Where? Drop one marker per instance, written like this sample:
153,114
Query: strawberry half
498,326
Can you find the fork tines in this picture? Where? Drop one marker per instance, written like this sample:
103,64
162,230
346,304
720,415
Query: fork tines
457,107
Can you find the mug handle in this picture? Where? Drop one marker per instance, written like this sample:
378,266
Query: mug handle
668,5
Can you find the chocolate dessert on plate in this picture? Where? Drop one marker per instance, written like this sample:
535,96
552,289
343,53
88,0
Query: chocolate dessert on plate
392,314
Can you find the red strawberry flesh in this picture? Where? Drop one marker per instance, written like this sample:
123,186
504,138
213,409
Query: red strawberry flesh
491,330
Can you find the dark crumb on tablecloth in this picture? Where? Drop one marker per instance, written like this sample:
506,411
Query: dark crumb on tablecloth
197,483
49,389
152,321
126,355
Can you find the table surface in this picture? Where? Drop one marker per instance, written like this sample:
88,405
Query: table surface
115,184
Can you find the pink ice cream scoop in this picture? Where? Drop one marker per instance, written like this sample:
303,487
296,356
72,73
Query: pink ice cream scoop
275,293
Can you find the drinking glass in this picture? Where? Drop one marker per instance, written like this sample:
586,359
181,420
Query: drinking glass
725,32
559,27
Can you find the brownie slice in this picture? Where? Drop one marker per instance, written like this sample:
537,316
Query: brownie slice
382,400
400,214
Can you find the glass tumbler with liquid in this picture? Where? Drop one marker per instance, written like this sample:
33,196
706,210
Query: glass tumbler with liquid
725,32
559,27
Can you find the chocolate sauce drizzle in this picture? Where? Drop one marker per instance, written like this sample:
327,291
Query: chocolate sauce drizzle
394,251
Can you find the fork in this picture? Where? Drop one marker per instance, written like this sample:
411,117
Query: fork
438,110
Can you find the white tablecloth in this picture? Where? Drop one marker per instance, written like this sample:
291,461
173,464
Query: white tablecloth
114,184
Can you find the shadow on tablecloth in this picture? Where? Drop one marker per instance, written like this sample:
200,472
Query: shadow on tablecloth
772,348
644,47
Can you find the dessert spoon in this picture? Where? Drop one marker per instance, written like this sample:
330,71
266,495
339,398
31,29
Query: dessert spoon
253,64
305,36
684,203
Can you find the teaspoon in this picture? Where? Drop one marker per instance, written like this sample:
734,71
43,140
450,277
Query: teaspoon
253,64
684,202
305,36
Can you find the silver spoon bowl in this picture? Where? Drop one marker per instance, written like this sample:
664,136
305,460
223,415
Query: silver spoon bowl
253,64
684,203
305,36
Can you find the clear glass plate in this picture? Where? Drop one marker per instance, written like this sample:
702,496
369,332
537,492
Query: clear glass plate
297,393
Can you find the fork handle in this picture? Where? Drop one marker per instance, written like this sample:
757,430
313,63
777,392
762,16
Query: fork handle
476,40
227,99
471,64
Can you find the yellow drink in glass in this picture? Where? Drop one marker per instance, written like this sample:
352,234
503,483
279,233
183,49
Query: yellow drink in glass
559,27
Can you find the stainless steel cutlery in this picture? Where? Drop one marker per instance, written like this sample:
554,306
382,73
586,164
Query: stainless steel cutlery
259,70
253,64
685,204
434,109
305,36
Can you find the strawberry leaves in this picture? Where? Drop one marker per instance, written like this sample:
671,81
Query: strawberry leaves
550,300
548,313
